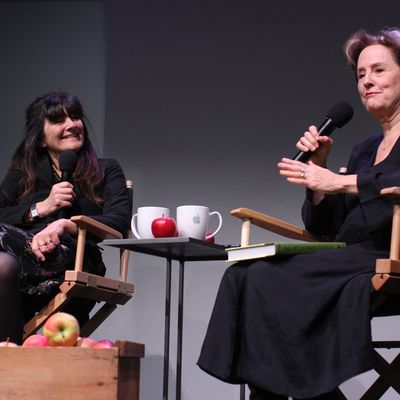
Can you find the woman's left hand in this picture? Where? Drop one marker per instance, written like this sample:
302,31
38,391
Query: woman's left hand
46,240
309,175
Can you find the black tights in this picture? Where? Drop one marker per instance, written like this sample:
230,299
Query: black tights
16,308
11,315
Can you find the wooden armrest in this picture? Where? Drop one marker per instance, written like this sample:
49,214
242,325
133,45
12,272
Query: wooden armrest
96,228
391,192
274,225
390,265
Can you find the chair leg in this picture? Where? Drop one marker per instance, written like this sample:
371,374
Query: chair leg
97,319
388,377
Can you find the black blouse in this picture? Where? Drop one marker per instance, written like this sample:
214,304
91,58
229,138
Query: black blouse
115,211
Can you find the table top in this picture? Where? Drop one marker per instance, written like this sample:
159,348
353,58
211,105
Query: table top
180,248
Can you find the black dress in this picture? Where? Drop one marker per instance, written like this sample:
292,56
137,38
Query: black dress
300,325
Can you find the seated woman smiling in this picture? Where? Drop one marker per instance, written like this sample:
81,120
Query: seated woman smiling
299,325
37,238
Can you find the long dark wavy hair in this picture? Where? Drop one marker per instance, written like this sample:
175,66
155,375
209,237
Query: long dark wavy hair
55,106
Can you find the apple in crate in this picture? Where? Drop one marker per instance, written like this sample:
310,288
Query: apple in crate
163,227
36,340
85,342
7,343
61,329
103,344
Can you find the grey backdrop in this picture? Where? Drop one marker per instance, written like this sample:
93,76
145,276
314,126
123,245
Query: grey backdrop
198,100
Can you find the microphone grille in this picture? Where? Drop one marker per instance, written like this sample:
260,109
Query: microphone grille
341,113
68,160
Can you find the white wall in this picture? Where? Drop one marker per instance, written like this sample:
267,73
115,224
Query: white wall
48,45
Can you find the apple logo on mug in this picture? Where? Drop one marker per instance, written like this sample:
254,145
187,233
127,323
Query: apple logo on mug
192,221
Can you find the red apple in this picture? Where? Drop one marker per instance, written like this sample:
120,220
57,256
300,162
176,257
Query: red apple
36,340
163,227
211,239
85,342
103,344
61,329
7,343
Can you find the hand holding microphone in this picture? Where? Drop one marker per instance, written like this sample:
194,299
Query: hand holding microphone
62,193
337,116
314,176
67,164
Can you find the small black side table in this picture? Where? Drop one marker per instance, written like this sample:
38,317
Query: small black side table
181,249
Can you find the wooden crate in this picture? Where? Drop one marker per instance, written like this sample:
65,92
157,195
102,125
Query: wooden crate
71,373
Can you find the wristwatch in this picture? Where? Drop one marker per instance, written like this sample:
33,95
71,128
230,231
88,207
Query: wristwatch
34,213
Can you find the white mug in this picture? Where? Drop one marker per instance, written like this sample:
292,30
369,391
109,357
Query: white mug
192,221
143,220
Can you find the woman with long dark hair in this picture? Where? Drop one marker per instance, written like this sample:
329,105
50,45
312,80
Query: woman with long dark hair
37,238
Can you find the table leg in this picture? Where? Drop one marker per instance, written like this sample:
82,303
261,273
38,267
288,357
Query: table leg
167,327
180,331
242,391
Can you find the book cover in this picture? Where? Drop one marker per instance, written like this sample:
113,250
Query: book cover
262,250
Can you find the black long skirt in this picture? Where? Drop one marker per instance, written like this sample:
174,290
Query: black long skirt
297,326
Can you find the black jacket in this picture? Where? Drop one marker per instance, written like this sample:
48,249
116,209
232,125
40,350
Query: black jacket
114,212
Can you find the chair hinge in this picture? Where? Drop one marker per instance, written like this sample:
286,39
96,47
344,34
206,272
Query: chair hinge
122,287
91,281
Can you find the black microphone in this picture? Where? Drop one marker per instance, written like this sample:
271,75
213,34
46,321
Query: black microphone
67,163
337,116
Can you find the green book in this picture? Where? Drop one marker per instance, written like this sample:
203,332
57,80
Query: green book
262,250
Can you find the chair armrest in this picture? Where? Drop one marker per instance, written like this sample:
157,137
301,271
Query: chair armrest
96,228
392,265
274,225
86,224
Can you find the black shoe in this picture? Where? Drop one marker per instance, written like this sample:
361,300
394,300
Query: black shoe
260,394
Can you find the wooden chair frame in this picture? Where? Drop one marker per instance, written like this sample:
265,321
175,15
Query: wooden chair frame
385,281
77,283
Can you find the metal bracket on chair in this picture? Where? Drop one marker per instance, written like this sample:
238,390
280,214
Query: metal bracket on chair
123,287
91,281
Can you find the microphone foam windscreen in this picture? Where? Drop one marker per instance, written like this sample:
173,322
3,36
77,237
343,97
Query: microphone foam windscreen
341,113
68,160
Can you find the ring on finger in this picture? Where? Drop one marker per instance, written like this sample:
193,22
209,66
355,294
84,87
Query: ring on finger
302,173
